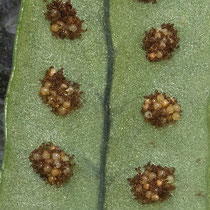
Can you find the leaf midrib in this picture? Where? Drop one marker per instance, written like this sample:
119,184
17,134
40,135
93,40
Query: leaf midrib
106,105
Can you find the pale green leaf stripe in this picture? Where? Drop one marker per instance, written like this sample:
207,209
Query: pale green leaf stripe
29,122
186,76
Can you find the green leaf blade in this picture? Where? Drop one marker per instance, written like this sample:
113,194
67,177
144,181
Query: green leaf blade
186,76
29,122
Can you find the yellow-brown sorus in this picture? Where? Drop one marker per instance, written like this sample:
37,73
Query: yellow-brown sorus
160,109
52,164
160,42
63,20
153,184
62,95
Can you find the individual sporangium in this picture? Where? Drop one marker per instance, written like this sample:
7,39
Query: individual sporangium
64,23
160,109
160,42
62,95
53,164
148,1
154,184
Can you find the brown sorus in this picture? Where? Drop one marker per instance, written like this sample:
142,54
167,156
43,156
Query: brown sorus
62,95
160,42
154,184
199,194
64,23
160,109
148,1
53,164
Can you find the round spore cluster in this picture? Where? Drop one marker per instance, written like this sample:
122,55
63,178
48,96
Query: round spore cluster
154,184
148,1
60,94
63,20
160,109
160,42
53,164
